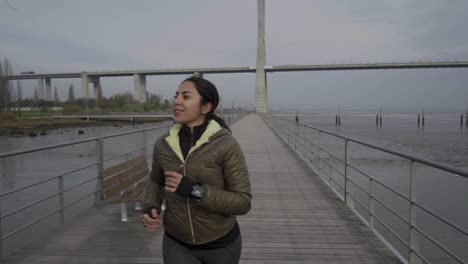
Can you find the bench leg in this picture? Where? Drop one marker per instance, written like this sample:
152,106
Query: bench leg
137,206
123,212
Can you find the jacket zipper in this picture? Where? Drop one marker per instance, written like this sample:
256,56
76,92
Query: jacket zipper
188,199
188,208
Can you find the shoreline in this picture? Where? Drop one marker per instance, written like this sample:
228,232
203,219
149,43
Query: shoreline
22,128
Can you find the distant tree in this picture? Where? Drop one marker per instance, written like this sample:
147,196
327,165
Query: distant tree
71,95
167,104
84,103
155,100
29,102
44,104
117,101
56,98
6,86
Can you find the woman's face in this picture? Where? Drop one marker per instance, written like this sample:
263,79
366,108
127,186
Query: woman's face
187,106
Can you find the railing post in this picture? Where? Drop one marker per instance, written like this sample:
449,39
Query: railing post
371,204
413,239
296,137
319,162
100,167
346,172
61,201
329,168
1,233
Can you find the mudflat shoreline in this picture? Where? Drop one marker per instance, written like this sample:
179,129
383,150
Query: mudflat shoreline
18,128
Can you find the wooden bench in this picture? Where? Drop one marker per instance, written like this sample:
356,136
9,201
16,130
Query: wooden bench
125,183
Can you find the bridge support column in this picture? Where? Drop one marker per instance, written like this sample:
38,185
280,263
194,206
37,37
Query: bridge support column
48,90
97,87
85,84
97,90
261,88
139,88
40,88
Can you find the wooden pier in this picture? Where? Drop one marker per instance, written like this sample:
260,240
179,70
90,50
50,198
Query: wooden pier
295,218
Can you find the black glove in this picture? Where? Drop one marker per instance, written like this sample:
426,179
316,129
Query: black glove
148,211
185,187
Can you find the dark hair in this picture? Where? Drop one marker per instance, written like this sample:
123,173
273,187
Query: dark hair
208,93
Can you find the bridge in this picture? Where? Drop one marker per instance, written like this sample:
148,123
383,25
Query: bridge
260,70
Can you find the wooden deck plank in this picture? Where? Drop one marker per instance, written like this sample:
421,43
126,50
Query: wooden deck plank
295,218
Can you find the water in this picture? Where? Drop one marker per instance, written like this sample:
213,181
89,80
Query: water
442,139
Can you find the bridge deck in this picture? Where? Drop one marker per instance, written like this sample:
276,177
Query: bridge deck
295,218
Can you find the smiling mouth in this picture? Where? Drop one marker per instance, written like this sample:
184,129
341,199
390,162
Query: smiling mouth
177,111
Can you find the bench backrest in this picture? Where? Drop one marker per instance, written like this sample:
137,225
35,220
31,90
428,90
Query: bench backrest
119,177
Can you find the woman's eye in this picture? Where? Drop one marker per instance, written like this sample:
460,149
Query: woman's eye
186,97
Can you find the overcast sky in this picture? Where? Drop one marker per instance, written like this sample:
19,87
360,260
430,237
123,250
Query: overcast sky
73,36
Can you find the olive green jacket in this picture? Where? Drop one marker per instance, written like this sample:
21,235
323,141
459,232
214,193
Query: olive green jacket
217,162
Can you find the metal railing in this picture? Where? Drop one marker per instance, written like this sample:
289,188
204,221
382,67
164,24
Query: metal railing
99,164
329,155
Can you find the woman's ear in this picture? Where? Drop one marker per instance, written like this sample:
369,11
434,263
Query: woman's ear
206,108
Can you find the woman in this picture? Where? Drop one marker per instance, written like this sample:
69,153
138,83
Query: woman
200,170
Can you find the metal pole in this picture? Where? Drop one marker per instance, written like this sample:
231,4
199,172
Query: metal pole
318,154
346,172
466,118
371,205
423,118
329,171
61,201
296,133
413,240
100,166
1,233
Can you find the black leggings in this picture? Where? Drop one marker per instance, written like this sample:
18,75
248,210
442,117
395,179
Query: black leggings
175,253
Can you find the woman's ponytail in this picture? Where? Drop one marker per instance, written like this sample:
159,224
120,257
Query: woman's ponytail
220,122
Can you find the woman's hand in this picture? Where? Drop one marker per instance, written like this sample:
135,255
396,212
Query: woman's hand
172,180
151,223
